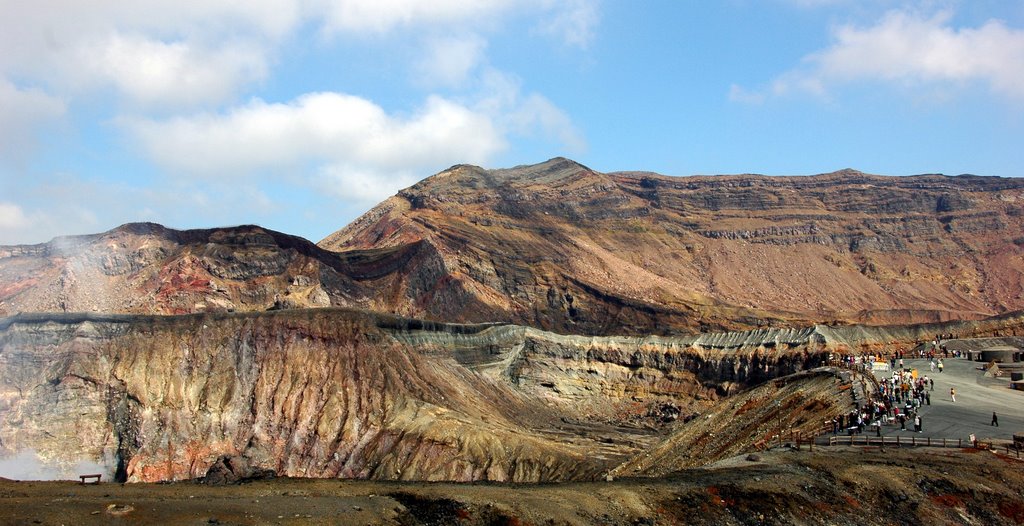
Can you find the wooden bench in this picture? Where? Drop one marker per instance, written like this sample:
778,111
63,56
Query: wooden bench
95,478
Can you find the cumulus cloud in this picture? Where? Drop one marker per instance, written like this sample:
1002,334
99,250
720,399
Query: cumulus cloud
378,16
912,50
343,135
171,75
571,20
154,52
179,74
22,113
449,61
355,149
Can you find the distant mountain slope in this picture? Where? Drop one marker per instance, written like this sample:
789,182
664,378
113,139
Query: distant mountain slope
562,247
147,268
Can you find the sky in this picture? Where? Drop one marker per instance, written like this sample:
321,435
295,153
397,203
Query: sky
300,115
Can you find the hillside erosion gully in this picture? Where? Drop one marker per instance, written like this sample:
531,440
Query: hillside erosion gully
354,394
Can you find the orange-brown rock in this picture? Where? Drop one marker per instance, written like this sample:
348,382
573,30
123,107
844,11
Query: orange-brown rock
562,247
352,394
147,268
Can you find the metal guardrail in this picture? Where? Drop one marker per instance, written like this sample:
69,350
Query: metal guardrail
898,441
862,440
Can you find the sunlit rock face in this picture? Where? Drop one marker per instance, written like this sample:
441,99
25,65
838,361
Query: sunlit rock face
147,268
561,247
351,394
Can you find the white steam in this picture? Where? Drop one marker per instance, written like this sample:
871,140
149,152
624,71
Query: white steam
27,464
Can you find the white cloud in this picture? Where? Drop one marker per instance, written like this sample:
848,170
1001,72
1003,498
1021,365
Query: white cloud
574,22
179,74
527,114
448,61
343,135
739,94
361,185
154,52
185,53
378,16
913,50
22,113
12,216
354,148
571,20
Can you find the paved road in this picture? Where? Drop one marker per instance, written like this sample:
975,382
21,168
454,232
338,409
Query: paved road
976,398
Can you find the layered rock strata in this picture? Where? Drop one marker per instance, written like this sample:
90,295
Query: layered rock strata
343,393
565,248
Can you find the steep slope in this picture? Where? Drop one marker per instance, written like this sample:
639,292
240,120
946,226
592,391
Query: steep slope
146,268
352,394
315,393
561,247
796,405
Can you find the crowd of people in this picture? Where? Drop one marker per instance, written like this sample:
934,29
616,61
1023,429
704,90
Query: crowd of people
898,397
897,401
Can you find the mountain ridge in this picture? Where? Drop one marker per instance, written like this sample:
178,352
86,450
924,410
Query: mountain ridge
562,247
892,238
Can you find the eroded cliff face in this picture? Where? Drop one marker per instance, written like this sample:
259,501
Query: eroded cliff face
315,393
560,247
343,393
564,248
149,269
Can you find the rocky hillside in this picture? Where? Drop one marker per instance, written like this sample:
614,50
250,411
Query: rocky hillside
561,247
146,268
345,393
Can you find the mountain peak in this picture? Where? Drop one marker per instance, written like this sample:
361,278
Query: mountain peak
847,172
547,172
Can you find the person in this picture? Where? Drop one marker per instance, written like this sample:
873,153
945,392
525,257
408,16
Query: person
995,419
903,422
940,366
917,423
928,397
952,394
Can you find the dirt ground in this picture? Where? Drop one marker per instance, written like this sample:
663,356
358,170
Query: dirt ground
838,485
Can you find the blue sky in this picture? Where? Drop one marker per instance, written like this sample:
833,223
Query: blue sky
299,115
